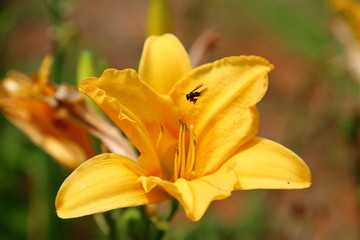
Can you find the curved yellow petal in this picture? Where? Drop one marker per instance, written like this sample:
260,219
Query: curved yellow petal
105,182
196,195
224,115
138,111
265,164
164,61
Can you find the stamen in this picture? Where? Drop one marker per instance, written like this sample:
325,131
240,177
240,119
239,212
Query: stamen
159,138
176,165
190,160
182,148
184,161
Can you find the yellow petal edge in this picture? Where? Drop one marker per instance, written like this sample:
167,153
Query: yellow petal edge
105,182
264,164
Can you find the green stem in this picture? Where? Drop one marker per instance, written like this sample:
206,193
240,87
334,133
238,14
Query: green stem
101,223
173,210
55,12
159,233
112,234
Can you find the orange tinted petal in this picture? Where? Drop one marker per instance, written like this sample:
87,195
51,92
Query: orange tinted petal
137,110
65,141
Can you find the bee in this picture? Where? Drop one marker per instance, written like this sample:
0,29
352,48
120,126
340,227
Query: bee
194,95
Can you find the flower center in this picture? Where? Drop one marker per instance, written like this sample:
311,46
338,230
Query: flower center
184,154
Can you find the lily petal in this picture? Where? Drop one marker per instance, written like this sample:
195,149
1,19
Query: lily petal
43,75
137,110
163,62
105,182
64,140
196,195
225,115
264,164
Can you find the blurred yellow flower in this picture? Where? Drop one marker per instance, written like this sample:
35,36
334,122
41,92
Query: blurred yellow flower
349,11
346,28
29,103
196,148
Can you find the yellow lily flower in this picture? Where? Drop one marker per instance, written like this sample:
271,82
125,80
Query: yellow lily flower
29,103
196,148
